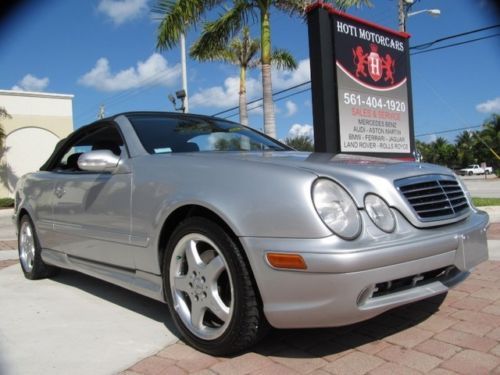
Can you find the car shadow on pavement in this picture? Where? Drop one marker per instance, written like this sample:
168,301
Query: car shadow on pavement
366,336
125,298
289,343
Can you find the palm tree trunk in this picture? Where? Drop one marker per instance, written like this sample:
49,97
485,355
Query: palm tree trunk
243,96
267,89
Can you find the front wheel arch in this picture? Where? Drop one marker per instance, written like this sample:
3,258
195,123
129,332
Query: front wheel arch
187,211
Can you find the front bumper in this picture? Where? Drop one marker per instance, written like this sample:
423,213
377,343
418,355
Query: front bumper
340,284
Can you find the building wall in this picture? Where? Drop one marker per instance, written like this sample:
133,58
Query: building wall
39,121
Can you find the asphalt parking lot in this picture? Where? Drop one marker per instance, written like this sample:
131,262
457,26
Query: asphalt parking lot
79,325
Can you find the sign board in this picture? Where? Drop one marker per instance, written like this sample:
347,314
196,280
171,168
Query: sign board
361,87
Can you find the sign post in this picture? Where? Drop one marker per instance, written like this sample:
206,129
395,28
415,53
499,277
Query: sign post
361,87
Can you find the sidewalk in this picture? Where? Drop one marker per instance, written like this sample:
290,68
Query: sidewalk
121,331
459,334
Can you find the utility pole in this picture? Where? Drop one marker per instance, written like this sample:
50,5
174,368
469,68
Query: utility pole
402,15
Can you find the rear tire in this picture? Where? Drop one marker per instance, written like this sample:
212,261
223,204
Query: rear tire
209,289
469,174
30,251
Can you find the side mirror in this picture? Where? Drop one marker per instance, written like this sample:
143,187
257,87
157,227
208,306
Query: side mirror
98,161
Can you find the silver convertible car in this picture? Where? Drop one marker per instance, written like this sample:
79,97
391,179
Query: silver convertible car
237,232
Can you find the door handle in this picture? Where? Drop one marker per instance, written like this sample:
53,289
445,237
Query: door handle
59,192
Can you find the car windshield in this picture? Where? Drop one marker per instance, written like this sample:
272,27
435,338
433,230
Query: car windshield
163,134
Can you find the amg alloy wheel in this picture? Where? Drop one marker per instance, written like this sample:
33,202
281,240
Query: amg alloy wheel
209,289
30,252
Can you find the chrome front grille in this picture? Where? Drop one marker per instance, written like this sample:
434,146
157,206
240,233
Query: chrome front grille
434,197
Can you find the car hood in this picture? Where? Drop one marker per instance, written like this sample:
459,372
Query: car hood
358,174
335,166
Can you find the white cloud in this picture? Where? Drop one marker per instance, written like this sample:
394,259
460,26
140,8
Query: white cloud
489,106
121,11
291,108
155,70
224,96
298,130
31,83
283,79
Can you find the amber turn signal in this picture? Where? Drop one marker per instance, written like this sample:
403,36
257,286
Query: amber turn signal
288,261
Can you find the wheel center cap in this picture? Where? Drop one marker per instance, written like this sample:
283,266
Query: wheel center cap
198,285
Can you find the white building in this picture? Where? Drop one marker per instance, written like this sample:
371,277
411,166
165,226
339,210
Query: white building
39,120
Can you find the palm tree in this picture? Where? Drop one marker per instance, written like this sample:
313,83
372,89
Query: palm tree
178,15
464,146
443,153
300,143
487,141
242,52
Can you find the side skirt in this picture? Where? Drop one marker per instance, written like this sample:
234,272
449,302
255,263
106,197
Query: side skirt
144,283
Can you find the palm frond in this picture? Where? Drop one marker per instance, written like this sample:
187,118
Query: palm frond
343,5
292,7
245,48
240,51
4,113
283,59
176,16
216,34
224,54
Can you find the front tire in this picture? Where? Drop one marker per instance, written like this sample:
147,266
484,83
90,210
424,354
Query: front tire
30,252
209,289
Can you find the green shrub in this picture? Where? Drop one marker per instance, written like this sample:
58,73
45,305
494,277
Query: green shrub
6,202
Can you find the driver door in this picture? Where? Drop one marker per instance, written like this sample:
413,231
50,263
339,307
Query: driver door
91,210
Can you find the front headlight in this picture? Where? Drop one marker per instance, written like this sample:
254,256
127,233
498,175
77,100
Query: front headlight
380,213
336,208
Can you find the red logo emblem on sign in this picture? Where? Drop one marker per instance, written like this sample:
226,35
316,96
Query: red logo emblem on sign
360,60
375,65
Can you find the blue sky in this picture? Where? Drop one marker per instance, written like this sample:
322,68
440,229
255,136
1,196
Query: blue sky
103,52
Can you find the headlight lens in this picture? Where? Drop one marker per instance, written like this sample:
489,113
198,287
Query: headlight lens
380,213
336,208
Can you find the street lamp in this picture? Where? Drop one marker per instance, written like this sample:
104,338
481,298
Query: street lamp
404,12
181,95
432,12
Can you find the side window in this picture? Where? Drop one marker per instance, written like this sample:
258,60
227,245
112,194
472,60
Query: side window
104,138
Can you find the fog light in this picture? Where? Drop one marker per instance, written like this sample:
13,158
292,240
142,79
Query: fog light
286,261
